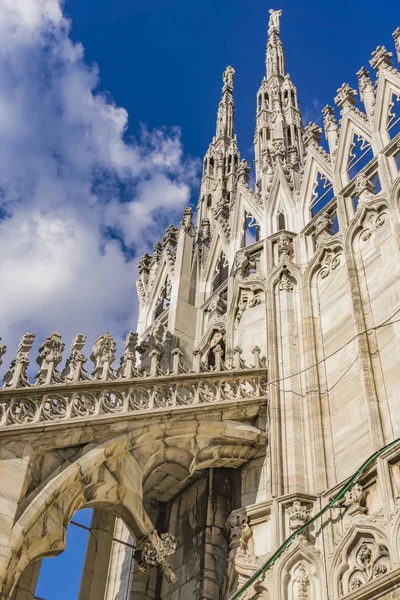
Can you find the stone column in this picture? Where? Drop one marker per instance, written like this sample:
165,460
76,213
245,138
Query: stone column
27,584
120,566
182,313
95,570
14,464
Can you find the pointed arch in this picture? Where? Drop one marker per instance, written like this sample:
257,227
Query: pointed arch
354,147
346,572
280,200
317,185
387,107
300,561
217,248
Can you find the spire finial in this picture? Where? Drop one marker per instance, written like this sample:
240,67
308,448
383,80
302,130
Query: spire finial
274,21
226,109
227,78
275,59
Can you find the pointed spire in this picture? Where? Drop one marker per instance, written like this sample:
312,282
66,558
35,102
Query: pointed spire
226,109
396,37
275,59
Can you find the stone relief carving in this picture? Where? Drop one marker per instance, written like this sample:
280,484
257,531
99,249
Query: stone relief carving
285,247
287,282
301,583
103,356
323,228
248,299
368,560
353,499
330,262
372,223
154,552
298,515
246,266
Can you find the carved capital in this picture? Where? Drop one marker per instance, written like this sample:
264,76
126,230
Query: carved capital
298,515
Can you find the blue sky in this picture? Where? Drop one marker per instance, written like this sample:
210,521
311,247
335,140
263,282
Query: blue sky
106,109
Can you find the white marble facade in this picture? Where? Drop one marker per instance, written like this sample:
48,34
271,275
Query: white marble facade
264,371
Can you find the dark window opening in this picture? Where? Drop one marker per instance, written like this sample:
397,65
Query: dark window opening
281,221
393,123
359,156
322,193
221,273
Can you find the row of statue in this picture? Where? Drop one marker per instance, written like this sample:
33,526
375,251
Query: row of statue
103,357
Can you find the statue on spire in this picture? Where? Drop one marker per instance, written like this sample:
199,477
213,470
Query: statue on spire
274,25
227,77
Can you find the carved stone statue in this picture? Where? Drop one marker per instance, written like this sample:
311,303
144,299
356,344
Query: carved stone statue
274,21
227,76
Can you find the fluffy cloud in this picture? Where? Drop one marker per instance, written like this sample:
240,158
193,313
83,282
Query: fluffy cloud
74,193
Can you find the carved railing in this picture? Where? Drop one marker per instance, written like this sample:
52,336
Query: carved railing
73,395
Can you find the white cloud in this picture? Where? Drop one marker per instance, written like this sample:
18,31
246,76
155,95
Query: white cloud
67,175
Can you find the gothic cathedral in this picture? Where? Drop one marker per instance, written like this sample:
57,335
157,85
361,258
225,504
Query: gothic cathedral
226,456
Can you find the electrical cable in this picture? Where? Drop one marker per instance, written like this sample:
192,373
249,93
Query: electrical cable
331,504
384,323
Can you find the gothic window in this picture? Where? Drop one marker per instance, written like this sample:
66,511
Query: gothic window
251,229
236,160
286,98
259,102
322,193
289,137
209,205
397,159
266,100
163,299
205,166
281,221
221,272
293,98
393,122
268,133
229,167
360,155
211,166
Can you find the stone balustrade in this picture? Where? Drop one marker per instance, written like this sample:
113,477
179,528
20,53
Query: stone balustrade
73,394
